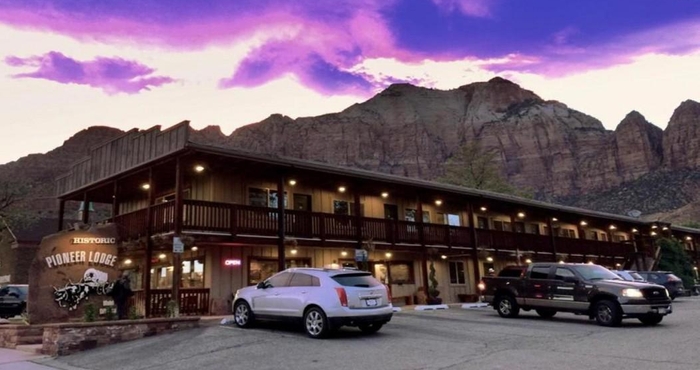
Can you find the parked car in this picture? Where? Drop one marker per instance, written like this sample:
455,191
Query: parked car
13,300
629,275
583,289
322,299
673,283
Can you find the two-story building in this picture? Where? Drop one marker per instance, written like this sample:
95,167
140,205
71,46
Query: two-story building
244,216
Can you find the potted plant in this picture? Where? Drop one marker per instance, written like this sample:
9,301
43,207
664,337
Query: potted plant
433,293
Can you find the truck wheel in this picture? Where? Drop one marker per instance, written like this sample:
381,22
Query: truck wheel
546,313
507,307
607,313
651,319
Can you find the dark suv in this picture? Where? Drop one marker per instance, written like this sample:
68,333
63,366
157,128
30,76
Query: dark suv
673,283
13,300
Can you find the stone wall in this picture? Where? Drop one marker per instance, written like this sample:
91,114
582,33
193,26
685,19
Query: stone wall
64,339
12,336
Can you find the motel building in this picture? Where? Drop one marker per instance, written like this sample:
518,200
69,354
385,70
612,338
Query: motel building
243,216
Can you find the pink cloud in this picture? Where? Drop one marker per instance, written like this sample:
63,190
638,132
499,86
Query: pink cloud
112,75
474,8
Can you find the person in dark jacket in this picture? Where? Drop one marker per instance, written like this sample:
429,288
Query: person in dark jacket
121,292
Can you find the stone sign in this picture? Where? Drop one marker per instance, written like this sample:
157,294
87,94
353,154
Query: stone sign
70,269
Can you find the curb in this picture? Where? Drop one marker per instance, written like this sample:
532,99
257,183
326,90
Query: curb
431,307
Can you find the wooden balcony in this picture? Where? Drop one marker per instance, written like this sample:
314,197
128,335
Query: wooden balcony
241,220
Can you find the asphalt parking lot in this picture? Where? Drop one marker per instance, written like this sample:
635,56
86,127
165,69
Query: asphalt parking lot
449,339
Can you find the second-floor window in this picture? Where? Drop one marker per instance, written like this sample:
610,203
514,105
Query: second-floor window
264,198
410,215
342,207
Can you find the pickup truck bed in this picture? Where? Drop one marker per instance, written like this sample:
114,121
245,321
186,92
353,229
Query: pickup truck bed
583,289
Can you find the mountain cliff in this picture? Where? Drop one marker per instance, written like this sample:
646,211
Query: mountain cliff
557,152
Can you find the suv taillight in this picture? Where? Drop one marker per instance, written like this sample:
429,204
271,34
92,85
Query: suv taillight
388,292
342,296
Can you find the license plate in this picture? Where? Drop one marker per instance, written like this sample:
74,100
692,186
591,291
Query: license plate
661,310
371,302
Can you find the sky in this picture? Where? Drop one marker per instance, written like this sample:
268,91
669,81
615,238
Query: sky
69,65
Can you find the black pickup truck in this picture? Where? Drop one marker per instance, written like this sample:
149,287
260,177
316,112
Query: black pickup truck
583,289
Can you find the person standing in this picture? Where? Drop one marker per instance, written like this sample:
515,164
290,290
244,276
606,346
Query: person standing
121,292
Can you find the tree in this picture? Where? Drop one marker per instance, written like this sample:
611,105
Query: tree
473,167
12,195
674,258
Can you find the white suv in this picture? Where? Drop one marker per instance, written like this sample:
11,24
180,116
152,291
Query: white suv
323,299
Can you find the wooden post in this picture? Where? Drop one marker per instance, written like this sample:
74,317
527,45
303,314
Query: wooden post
552,239
421,240
280,224
177,257
357,211
86,208
149,244
115,204
61,211
475,252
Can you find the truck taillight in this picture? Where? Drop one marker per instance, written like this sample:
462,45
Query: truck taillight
342,296
388,292
481,286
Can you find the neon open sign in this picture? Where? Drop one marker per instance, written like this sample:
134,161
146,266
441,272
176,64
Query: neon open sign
231,262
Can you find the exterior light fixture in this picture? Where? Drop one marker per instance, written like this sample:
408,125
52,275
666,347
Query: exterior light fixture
146,186
521,214
695,268
343,253
341,189
194,249
292,182
127,261
385,195
199,168
688,238
617,265
584,223
293,251
654,226
528,261
387,254
562,261
489,259
664,228
653,233
162,256
483,209
635,230
443,257
613,227
555,219
438,202
590,262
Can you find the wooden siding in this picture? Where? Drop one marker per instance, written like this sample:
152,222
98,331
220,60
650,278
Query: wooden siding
122,154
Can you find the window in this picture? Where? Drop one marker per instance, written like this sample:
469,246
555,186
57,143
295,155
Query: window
593,235
448,219
257,197
302,202
401,272
562,273
534,229
619,238
342,207
457,272
280,280
519,227
482,222
411,215
260,268
604,237
539,272
299,279
501,225
193,273
273,199
391,212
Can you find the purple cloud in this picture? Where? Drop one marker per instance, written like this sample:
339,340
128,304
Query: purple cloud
473,8
112,75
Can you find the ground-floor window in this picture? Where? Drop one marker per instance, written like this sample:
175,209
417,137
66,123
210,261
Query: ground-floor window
261,268
457,272
192,275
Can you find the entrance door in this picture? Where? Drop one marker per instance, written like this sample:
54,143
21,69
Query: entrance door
391,212
302,202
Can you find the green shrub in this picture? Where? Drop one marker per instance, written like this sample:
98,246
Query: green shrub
109,313
133,313
90,312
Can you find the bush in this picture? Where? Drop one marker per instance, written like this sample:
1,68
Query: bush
109,313
90,313
133,314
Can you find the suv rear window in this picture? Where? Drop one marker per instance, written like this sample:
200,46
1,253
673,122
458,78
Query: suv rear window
361,280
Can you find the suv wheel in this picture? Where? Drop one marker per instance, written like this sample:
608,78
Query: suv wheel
546,313
651,319
607,313
507,307
316,323
242,315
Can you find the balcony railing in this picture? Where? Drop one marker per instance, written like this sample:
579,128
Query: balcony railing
192,301
236,219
